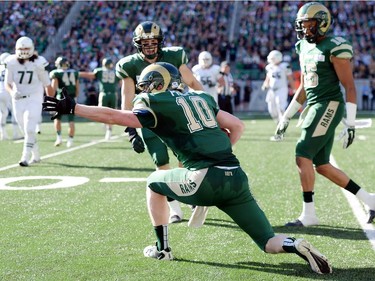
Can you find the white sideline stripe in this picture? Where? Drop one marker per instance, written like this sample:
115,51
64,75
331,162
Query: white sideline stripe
123,180
359,211
65,151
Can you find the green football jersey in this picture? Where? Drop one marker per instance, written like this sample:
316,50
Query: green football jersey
66,78
187,124
320,79
132,66
107,79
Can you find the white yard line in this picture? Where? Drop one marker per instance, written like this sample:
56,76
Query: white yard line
64,151
357,207
123,180
359,212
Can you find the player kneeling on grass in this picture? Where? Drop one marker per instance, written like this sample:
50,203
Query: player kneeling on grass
190,124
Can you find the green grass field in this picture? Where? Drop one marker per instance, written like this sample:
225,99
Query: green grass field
97,230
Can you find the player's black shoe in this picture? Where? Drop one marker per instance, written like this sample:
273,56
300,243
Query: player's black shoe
371,216
23,163
297,222
152,252
318,262
307,221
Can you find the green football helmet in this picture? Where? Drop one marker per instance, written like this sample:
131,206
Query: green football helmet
148,30
313,11
159,77
62,63
107,63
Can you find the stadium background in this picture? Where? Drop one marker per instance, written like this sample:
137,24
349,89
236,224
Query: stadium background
97,231
241,32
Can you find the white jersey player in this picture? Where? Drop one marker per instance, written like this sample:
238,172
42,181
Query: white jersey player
6,104
208,74
5,99
278,75
25,79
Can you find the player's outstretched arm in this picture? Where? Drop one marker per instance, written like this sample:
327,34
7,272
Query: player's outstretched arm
87,75
107,115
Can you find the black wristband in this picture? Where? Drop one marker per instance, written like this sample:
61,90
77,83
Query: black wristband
132,132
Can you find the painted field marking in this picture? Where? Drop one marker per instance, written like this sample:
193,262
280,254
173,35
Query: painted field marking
359,211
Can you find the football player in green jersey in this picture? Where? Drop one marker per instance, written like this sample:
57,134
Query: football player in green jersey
326,61
64,77
190,124
108,82
148,38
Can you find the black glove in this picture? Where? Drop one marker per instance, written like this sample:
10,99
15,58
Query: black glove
64,106
348,135
135,139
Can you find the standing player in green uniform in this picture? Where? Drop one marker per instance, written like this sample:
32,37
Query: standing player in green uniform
64,77
148,38
325,62
108,82
190,124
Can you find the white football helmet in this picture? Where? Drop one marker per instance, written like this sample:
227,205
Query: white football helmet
3,57
205,59
275,57
24,48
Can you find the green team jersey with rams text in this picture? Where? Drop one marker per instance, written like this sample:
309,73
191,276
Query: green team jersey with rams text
186,122
66,78
132,65
320,79
107,80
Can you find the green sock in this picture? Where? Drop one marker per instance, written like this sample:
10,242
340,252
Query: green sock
161,232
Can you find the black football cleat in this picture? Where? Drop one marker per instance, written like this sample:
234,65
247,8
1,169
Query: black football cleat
318,262
371,216
297,222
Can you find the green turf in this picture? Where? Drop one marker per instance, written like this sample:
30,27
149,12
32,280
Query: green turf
97,231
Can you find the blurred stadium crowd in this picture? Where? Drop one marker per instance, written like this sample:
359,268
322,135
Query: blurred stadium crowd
241,32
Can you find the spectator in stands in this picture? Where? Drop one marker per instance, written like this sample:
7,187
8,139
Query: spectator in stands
372,86
366,96
38,19
262,27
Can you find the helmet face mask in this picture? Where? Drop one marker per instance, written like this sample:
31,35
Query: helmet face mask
24,48
159,77
275,57
145,31
205,59
150,48
62,63
313,21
